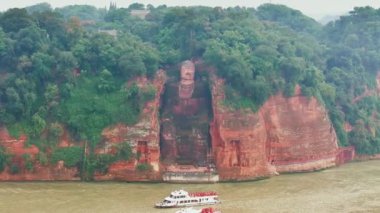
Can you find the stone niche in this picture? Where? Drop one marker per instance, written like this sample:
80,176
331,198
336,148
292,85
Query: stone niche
185,117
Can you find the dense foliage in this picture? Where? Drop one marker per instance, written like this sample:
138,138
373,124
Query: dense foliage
352,64
68,67
71,156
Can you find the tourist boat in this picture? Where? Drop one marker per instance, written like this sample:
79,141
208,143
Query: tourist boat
203,210
182,198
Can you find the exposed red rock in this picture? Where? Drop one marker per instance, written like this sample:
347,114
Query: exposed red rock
184,120
367,157
348,127
286,135
369,92
65,139
18,149
301,136
238,140
345,154
111,136
143,138
188,106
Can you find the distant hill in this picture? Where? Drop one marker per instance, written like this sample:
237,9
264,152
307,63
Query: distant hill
326,19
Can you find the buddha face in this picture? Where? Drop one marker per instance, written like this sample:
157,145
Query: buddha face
187,71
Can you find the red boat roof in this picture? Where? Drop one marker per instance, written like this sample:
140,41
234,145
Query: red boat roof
202,194
207,210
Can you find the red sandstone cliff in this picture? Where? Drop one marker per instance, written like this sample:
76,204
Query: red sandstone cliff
143,137
238,140
17,149
286,135
301,136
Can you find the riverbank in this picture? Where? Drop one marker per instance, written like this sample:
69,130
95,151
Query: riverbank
350,187
367,157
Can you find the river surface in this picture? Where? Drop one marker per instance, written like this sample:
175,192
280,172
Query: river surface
353,187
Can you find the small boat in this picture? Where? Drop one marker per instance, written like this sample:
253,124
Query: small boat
203,210
182,198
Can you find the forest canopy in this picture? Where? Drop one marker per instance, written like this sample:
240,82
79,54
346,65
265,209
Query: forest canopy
69,65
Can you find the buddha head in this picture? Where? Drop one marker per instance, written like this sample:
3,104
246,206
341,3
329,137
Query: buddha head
187,71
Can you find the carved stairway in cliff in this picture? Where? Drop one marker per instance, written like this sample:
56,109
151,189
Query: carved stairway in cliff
185,117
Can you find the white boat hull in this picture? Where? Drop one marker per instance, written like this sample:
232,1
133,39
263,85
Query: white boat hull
162,205
182,198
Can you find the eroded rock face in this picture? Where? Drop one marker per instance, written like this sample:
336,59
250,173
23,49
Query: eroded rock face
300,134
18,150
286,135
143,137
238,140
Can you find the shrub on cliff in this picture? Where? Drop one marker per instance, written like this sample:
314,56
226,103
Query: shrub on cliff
57,70
14,168
28,163
102,162
142,167
87,111
71,156
124,151
3,158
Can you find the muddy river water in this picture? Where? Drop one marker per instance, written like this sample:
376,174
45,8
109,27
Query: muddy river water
353,187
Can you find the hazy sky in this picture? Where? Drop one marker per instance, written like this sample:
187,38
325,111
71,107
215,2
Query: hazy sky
313,8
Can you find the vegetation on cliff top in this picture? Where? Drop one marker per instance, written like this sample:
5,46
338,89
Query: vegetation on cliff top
68,66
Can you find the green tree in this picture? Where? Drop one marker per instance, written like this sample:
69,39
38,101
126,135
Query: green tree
42,65
3,158
29,40
38,124
131,65
288,17
39,8
15,19
2,42
72,156
136,6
